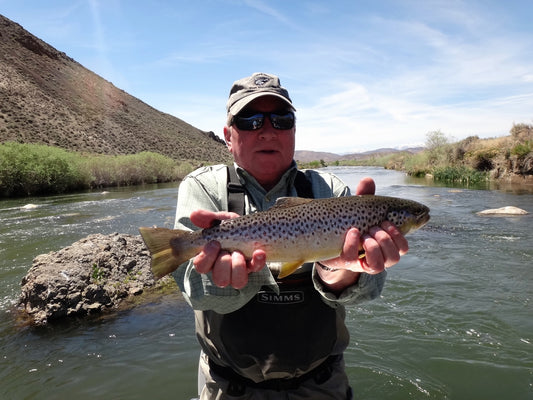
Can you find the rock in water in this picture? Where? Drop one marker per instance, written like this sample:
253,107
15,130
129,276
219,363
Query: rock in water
509,210
92,275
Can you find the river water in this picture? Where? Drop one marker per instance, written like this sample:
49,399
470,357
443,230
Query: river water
455,320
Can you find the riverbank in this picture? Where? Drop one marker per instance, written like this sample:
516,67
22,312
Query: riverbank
36,170
503,161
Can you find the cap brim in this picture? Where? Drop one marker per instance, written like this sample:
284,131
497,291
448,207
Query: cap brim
242,103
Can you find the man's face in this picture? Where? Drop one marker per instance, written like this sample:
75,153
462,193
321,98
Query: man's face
266,153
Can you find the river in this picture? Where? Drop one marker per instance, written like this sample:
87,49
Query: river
455,320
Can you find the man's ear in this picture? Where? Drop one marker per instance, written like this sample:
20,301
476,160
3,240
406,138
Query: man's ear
227,136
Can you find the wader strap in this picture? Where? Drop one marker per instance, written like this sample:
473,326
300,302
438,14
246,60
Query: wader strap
303,186
238,384
236,190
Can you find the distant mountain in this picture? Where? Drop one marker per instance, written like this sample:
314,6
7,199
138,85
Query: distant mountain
46,97
308,156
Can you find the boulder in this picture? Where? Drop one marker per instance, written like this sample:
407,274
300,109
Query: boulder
508,210
93,275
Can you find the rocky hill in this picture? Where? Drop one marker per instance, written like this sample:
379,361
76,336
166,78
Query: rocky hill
48,98
308,156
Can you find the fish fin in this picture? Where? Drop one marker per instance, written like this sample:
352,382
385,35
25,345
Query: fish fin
288,268
287,202
164,259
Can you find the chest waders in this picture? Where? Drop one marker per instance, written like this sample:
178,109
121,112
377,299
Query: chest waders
286,332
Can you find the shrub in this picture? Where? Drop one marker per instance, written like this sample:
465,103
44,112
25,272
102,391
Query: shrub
522,132
460,174
132,169
521,149
438,148
31,169
417,165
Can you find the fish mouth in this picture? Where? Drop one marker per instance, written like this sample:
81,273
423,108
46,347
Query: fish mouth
423,219
417,222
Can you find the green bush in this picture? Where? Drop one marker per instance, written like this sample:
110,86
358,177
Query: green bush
417,165
521,149
132,169
36,169
460,174
438,148
31,169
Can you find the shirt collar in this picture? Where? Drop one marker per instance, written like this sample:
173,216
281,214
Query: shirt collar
286,179
260,197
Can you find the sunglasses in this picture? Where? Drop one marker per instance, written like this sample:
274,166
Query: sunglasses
255,121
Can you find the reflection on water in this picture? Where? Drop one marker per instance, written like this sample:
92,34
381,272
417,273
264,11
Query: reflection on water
455,319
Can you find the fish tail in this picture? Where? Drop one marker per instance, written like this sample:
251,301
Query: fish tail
165,258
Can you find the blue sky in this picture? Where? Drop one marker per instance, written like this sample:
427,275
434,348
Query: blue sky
362,74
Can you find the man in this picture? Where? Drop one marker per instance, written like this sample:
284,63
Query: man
260,336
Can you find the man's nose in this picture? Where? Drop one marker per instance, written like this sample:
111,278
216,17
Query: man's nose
267,130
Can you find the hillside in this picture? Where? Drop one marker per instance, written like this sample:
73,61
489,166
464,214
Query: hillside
48,98
306,156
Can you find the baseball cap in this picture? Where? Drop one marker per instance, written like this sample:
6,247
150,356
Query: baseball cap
252,87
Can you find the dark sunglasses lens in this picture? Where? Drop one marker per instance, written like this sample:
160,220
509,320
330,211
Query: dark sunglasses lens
249,123
255,121
282,121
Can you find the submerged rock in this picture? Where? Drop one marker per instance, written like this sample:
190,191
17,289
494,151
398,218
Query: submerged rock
91,276
509,210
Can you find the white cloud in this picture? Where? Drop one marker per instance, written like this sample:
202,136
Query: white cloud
465,79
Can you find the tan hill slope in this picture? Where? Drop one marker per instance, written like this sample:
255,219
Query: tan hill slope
308,156
46,97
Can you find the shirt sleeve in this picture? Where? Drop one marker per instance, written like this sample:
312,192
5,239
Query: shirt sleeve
206,189
368,286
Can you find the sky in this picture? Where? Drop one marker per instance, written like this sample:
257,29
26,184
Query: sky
362,74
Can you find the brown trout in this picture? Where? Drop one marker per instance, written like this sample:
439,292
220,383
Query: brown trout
292,232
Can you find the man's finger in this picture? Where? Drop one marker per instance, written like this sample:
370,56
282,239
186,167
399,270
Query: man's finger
399,240
239,274
350,249
373,262
222,270
257,262
366,186
205,260
206,219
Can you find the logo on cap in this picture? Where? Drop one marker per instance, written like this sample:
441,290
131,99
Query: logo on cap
262,80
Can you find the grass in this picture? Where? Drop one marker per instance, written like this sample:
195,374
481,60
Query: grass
97,274
459,174
522,149
31,169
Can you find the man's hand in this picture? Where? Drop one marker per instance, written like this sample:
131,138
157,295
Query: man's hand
228,269
383,245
